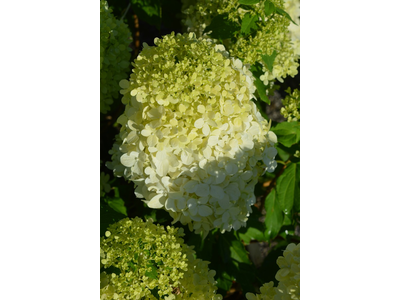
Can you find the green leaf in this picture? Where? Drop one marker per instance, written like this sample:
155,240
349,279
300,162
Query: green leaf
249,23
296,204
222,28
148,11
248,2
254,229
261,87
287,152
288,133
286,187
269,60
285,14
224,279
117,204
274,216
108,216
153,273
269,8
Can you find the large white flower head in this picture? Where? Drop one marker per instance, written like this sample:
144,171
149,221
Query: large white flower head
273,34
288,276
114,55
192,139
142,260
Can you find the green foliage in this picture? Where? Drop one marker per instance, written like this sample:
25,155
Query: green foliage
269,60
149,11
273,217
287,187
249,23
288,133
108,216
254,230
281,12
269,8
222,28
249,2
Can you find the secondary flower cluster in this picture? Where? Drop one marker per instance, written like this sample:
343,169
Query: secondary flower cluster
291,105
142,260
114,55
272,34
192,139
288,276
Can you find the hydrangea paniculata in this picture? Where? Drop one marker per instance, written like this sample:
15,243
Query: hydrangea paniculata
142,260
272,34
288,276
192,139
114,55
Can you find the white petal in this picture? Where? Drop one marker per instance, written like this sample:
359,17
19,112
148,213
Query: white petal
217,192
224,202
205,211
190,186
170,204
231,168
270,152
181,203
233,191
199,123
157,201
272,137
192,205
202,190
128,160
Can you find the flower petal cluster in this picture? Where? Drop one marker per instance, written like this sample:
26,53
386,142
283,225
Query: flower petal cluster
192,139
114,55
288,276
272,34
142,260
291,105
292,7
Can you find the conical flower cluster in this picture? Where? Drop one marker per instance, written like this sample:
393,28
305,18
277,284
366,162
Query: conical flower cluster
192,139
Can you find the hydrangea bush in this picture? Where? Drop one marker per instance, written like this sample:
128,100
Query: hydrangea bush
142,260
194,146
192,139
114,55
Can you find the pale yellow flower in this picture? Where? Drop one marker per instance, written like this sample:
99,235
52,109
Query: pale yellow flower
140,258
192,139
